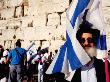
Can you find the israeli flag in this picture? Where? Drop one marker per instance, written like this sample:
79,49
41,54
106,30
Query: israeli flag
102,46
71,55
95,16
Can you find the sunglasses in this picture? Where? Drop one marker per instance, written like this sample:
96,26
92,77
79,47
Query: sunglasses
89,40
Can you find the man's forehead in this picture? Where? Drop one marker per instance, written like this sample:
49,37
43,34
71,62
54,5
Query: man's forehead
86,35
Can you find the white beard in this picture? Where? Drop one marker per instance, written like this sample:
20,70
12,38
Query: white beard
92,52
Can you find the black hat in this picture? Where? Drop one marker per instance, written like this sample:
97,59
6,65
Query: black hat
86,27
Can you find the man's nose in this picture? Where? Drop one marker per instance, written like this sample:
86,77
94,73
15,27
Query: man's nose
86,42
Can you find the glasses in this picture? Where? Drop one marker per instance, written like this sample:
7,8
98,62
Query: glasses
89,40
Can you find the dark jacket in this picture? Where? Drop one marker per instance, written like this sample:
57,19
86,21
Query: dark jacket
100,72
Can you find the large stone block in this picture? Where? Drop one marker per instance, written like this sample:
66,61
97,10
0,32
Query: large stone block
7,13
15,2
42,33
13,24
45,44
1,5
19,33
63,18
33,7
105,3
8,34
62,31
50,6
39,20
55,5
58,33
53,19
3,24
1,42
26,20
26,43
29,33
60,7
37,43
8,44
56,44
18,11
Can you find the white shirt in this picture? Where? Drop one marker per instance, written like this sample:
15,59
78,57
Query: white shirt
5,53
45,57
89,75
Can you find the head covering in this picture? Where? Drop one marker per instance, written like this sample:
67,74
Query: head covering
86,27
18,43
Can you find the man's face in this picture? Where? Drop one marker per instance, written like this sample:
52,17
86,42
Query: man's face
87,40
88,44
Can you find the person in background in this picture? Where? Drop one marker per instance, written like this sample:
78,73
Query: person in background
43,58
16,58
1,51
4,67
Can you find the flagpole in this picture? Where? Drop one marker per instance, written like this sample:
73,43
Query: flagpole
107,70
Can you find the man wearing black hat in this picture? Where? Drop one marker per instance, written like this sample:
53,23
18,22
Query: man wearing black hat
93,71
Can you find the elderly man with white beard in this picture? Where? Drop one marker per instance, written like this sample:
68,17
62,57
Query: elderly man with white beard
94,70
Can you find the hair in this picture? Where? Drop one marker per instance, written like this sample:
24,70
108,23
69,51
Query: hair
39,48
56,51
86,27
18,43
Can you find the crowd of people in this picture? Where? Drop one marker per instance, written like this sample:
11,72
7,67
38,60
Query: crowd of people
19,62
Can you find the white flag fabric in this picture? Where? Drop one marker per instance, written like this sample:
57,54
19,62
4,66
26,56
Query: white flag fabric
71,55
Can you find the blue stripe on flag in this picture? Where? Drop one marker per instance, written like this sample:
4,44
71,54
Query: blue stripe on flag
72,56
82,4
59,62
102,43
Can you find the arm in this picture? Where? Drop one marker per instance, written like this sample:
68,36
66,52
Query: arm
8,58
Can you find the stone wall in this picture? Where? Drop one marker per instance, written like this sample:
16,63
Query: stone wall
42,21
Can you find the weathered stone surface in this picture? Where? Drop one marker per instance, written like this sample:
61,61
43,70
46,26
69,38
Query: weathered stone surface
37,43
42,21
42,34
62,31
8,44
53,19
55,44
19,33
29,33
1,42
3,24
60,5
8,34
39,20
105,3
15,2
7,13
36,7
63,18
45,44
